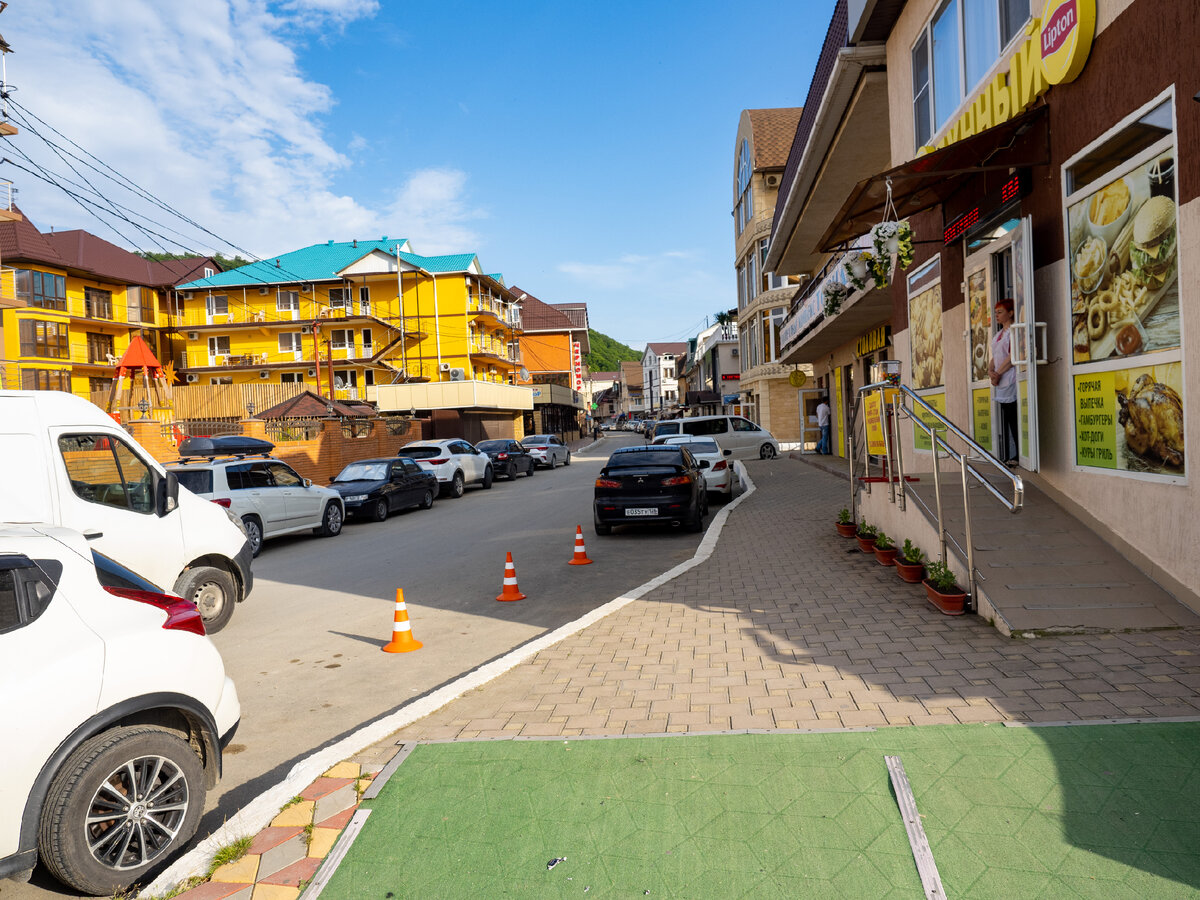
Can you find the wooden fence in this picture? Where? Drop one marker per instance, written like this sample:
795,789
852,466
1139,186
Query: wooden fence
205,401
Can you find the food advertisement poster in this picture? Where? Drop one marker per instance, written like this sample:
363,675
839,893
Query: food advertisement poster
981,416
925,328
981,322
921,439
1131,420
1124,266
873,424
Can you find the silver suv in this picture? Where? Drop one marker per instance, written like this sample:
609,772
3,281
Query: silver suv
262,492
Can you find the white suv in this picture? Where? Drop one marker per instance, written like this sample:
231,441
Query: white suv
265,494
117,706
456,463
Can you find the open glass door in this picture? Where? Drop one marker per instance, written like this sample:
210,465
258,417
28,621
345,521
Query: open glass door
978,281
810,433
1024,344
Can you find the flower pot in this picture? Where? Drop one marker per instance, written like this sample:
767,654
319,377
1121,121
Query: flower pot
846,529
952,604
886,557
913,573
858,265
866,544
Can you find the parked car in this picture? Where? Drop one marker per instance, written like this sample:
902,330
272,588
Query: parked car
547,450
265,493
118,709
718,473
65,462
509,458
650,484
378,487
455,463
743,437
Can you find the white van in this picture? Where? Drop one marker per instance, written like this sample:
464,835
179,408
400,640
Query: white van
743,437
63,461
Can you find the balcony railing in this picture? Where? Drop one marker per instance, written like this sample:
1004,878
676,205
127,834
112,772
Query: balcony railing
495,348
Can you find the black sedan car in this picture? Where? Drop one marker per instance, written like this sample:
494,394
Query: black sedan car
509,458
653,483
377,487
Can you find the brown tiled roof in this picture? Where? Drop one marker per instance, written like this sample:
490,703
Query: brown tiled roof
631,374
576,312
676,348
84,250
21,241
773,133
171,272
539,316
312,405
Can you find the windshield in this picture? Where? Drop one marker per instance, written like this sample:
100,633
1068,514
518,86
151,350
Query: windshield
362,471
198,481
492,445
425,452
640,457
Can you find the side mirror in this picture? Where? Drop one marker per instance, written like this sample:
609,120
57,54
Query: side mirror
308,482
704,463
728,453
166,493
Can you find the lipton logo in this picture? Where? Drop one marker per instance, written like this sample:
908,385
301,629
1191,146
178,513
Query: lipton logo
1055,31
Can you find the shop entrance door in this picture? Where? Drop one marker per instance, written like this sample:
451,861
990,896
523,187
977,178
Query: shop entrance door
978,289
1024,342
810,432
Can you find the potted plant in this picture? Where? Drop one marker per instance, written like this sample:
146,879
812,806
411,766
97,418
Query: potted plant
866,537
845,524
943,591
857,267
910,564
885,549
835,293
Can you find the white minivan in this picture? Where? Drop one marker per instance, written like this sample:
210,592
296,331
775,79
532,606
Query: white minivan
743,437
63,461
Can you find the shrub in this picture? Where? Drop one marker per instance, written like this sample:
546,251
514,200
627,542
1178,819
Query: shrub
844,516
883,542
941,577
912,552
865,530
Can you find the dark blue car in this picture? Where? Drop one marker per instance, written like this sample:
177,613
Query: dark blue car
377,487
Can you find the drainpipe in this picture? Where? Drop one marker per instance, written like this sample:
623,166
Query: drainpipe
317,354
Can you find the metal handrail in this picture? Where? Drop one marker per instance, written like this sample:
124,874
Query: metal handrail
974,452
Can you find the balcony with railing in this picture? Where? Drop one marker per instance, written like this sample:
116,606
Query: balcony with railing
484,346
8,202
8,288
483,305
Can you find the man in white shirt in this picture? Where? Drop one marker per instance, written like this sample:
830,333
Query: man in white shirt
823,424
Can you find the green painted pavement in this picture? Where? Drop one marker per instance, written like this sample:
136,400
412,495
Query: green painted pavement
1103,811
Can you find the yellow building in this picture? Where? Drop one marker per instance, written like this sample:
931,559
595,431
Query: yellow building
351,317
79,301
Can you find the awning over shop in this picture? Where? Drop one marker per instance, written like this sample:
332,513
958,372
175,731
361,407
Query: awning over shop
700,398
928,180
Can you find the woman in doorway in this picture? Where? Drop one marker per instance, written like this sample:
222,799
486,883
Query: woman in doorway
1004,382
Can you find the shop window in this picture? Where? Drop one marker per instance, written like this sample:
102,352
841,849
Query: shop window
953,53
42,289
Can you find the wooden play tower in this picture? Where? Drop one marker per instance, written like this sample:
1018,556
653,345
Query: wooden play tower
139,361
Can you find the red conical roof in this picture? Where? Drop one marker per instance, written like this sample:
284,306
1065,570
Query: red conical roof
138,356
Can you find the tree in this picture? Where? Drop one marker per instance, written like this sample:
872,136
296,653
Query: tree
724,319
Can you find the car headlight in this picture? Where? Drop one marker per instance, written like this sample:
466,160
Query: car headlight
355,498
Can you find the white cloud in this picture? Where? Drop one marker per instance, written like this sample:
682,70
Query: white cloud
207,106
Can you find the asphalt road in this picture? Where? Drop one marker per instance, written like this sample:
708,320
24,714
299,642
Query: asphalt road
304,649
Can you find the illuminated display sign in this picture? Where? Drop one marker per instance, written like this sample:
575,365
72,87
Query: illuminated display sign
1016,186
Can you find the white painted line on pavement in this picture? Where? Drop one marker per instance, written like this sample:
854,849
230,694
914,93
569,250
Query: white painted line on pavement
258,813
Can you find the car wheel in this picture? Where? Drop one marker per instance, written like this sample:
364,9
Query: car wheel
511,472
331,521
120,803
767,451
602,529
532,466
213,593
457,486
427,500
488,476
696,523
254,533
380,512
568,462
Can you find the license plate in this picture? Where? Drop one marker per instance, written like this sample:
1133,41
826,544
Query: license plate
642,511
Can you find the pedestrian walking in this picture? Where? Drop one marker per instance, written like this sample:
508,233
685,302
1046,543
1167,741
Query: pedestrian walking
823,423
1004,382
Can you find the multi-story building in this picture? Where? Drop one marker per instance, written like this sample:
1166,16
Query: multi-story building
81,300
364,319
660,377
629,392
714,371
764,137
548,338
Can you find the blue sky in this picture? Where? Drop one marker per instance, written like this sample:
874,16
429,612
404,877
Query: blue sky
584,150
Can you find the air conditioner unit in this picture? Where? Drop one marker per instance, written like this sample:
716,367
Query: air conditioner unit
193,335
186,295
306,329
735,351
445,367
306,288
458,374
773,180
312,373
263,373
264,291
192,379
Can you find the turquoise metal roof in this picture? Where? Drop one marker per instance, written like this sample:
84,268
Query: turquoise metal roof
453,262
319,262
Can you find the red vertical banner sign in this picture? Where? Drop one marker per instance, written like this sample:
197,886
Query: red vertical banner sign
576,366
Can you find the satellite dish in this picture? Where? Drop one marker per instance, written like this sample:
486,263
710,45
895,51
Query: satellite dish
524,374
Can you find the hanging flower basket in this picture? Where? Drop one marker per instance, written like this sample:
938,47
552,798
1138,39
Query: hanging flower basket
904,244
858,266
835,294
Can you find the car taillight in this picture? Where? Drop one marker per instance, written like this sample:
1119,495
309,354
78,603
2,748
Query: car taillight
437,462
224,501
181,615
607,483
536,448
719,466
501,456
677,480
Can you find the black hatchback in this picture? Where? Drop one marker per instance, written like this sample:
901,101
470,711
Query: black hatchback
655,483
509,457
376,487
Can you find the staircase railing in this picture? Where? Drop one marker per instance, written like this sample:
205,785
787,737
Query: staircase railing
973,461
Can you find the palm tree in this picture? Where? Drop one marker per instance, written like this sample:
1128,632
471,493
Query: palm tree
724,319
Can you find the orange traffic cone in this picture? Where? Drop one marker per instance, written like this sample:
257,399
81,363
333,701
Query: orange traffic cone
580,558
402,638
510,590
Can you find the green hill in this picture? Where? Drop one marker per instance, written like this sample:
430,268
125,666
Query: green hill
607,354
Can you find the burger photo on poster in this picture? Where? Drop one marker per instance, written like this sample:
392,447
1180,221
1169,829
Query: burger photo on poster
1152,252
